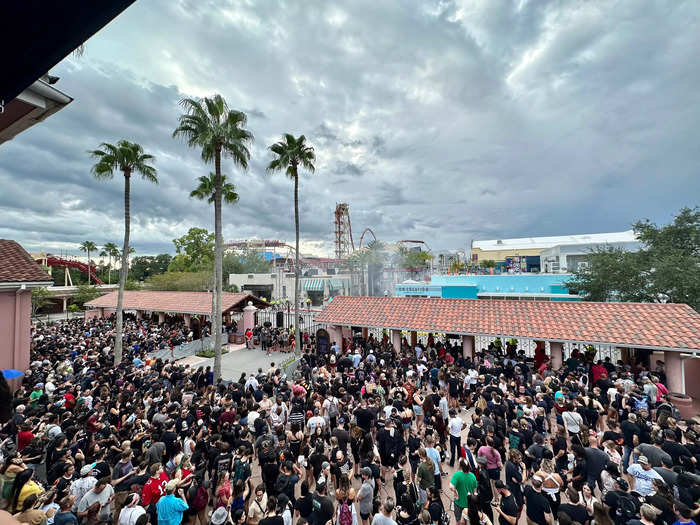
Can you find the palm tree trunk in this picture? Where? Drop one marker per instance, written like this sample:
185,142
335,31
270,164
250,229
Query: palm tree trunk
297,328
88,252
123,270
109,270
218,261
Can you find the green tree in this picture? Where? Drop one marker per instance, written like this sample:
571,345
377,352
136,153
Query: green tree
487,264
85,293
110,250
129,158
195,251
665,268
88,246
414,261
250,262
40,298
209,124
290,154
181,281
144,266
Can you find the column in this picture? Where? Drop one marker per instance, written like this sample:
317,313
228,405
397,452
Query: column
396,339
468,345
161,317
187,318
556,351
414,339
249,317
65,304
365,333
334,334
674,372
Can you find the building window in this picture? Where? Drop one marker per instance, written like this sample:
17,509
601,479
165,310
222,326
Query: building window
284,290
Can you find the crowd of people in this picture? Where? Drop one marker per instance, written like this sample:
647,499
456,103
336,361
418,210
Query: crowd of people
360,433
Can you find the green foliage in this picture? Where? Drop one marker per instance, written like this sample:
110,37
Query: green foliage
666,268
144,266
487,264
131,285
245,263
209,352
73,308
85,293
411,260
195,251
232,288
40,298
181,281
126,157
206,190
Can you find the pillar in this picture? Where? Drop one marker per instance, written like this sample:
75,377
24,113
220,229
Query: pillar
673,366
334,334
249,317
161,317
65,304
187,318
468,345
556,350
414,339
396,339
365,333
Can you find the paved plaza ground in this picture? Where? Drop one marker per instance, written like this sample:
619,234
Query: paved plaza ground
239,359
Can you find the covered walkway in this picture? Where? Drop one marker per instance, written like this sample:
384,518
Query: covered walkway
189,305
672,330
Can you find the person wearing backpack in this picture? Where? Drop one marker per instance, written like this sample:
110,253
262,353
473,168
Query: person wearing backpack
330,411
346,513
623,505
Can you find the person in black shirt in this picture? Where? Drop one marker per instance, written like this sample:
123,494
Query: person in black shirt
574,509
364,417
322,505
304,504
508,510
630,432
537,505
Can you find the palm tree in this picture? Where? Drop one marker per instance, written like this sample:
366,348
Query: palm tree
129,158
209,124
290,154
110,250
88,246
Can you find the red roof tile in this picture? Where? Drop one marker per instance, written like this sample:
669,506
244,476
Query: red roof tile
625,324
17,266
177,302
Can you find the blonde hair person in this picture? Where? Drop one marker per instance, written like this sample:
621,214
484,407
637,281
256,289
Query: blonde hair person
551,483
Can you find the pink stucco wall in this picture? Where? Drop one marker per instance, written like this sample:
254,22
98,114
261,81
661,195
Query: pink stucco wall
93,313
15,324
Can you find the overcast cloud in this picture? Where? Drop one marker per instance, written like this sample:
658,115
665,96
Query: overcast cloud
441,121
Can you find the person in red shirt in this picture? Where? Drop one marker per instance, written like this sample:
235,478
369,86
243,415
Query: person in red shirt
248,337
24,436
70,400
154,488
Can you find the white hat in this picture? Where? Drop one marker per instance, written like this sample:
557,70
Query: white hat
219,516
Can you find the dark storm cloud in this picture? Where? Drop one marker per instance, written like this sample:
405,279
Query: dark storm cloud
444,121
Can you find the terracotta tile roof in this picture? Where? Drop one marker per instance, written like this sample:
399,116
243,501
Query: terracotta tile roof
17,266
624,324
177,302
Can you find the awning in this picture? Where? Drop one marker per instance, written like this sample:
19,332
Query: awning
336,284
313,285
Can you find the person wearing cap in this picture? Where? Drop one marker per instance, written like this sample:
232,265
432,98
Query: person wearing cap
131,511
322,504
171,508
36,394
612,500
643,476
82,485
220,516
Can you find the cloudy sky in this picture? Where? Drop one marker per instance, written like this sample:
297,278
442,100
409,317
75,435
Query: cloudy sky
444,121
